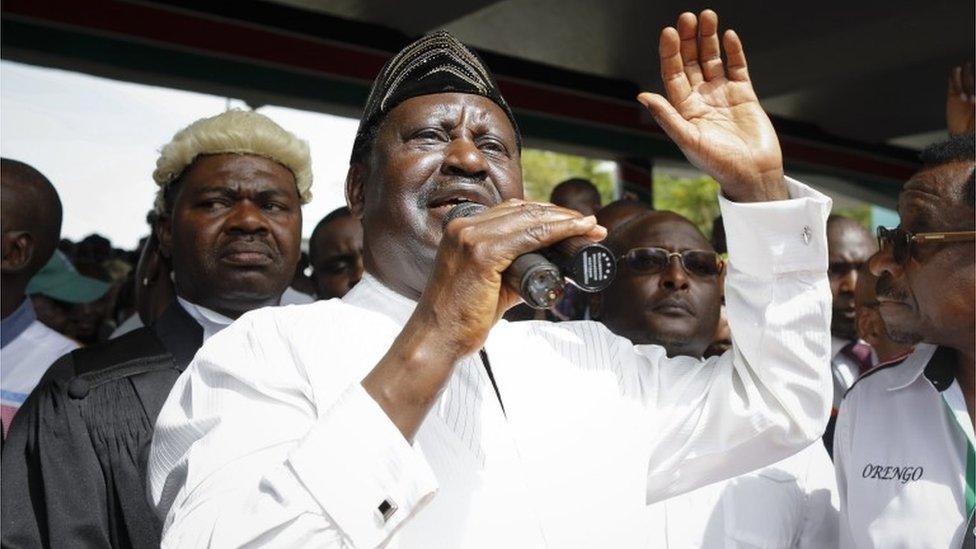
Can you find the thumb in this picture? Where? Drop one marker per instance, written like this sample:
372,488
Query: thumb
673,124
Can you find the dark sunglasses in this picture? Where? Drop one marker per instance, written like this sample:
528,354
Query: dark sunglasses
901,241
655,260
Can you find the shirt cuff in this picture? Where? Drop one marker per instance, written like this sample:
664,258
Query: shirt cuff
766,239
362,472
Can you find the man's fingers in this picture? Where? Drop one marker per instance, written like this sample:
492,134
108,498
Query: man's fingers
667,117
515,234
736,67
688,33
968,78
955,81
672,69
709,54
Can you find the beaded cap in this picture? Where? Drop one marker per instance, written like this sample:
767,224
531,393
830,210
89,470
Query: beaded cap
436,63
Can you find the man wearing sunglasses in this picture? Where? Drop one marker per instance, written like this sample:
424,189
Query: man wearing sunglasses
668,292
904,441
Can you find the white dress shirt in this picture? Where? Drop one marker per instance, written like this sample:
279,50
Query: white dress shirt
268,438
211,321
900,450
28,349
792,503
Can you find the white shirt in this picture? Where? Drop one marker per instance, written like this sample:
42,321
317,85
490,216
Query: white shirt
294,297
792,503
901,459
269,437
211,321
29,348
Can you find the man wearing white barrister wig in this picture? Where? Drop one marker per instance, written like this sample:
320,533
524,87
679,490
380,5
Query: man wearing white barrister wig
229,203
407,414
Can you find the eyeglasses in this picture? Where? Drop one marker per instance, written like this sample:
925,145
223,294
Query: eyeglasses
901,241
655,260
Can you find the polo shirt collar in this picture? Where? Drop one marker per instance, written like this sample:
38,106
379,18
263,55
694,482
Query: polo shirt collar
17,322
907,372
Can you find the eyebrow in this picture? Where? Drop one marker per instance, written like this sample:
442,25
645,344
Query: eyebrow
234,192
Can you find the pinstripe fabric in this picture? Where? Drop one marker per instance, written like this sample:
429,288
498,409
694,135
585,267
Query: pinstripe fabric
268,437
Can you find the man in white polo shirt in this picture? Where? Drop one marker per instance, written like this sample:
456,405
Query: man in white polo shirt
903,448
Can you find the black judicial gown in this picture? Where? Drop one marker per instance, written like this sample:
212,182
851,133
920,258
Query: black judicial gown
75,460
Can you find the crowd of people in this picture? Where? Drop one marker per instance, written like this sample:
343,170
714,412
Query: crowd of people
791,380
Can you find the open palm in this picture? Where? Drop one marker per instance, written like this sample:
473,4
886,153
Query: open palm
712,113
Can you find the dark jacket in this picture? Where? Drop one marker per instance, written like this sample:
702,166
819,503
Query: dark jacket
75,460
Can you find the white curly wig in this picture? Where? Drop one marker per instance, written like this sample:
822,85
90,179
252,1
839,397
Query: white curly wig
234,131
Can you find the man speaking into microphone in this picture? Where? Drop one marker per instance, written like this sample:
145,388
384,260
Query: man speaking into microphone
407,414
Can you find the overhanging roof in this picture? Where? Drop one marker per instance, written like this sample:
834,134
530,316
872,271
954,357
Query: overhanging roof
570,69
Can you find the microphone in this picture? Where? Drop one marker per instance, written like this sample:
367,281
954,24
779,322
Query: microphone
539,276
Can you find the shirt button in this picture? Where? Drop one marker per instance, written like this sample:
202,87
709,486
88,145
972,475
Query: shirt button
806,234
78,388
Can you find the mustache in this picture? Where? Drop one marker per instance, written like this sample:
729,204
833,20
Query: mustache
885,287
674,301
430,188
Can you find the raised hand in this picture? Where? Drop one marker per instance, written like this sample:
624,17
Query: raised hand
961,100
712,113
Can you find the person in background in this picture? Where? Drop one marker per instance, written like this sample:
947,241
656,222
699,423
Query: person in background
576,194
31,226
230,190
302,281
903,447
668,292
618,211
153,287
335,251
849,246
59,291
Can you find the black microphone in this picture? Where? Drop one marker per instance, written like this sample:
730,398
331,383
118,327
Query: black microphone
539,276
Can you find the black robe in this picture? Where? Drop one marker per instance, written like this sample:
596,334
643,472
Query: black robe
74,463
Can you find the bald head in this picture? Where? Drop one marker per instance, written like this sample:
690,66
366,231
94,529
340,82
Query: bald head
576,194
849,246
30,205
619,211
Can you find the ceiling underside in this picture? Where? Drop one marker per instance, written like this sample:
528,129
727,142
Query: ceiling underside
872,71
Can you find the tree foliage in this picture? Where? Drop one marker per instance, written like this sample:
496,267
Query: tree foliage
543,170
695,198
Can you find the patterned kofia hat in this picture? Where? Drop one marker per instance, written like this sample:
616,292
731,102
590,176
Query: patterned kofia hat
435,63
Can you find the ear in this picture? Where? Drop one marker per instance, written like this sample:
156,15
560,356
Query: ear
596,305
164,234
356,189
18,250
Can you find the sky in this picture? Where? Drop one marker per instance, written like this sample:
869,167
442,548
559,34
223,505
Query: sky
97,140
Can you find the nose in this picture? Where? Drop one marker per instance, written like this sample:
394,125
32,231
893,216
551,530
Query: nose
247,218
849,281
674,277
464,159
883,261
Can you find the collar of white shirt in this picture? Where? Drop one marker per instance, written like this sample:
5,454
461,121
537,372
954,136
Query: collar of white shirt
371,294
211,321
905,373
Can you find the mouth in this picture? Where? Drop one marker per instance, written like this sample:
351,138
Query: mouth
442,200
673,307
247,254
